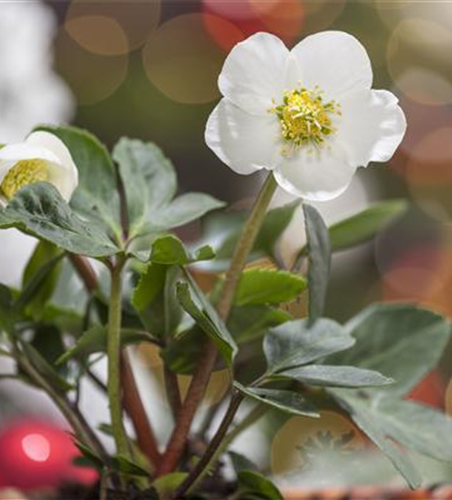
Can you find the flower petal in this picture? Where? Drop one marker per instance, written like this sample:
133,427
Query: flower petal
316,175
371,127
245,142
335,61
254,73
64,173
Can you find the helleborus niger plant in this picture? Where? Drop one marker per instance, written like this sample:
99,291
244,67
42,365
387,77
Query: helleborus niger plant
310,118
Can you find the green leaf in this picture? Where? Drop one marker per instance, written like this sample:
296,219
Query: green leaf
40,278
182,210
169,250
297,343
8,314
44,368
248,323
336,376
95,340
402,341
240,462
286,401
254,485
165,485
155,299
128,467
39,210
183,353
267,286
319,248
148,177
365,225
366,419
207,318
96,196
224,229
89,455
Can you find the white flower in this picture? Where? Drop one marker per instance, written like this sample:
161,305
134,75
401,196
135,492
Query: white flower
308,114
42,157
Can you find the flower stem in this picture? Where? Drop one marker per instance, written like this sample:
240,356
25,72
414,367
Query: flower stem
202,375
113,352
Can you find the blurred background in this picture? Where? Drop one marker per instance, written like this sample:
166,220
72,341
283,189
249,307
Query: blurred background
148,69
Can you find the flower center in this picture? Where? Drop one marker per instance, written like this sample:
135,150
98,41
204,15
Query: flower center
23,173
306,118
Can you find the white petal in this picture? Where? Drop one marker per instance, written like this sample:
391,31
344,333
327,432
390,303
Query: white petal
244,142
12,153
334,60
254,73
371,127
319,175
64,173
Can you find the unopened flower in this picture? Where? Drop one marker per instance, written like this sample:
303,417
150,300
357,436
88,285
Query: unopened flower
308,114
42,157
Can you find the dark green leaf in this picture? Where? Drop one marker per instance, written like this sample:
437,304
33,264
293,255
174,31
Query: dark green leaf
39,210
95,340
89,455
155,299
402,341
8,315
165,485
249,323
364,417
286,401
297,343
267,286
207,318
169,250
182,354
319,248
254,485
365,225
240,462
336,376
126,466
96,196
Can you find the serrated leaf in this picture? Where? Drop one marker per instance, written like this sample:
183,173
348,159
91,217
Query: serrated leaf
95,340
283,400
96,196
319,248
403,341
39,210
364,418
365,225
206,318
336,376
248,323
169,250
268,286
254,485
297,343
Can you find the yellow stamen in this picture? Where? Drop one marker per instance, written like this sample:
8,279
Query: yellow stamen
23,173
305,118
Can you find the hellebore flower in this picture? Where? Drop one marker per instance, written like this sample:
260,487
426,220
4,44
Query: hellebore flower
308,114
42,157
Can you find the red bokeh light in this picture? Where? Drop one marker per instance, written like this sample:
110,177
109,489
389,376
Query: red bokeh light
35,454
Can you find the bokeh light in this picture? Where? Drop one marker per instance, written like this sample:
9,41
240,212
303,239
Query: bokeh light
94,24
288,443
36,447
187,69
92,77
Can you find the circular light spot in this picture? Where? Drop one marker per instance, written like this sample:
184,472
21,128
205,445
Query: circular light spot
92,77
136,18
36,447
98,34
299,433
285,18
182,61
224,33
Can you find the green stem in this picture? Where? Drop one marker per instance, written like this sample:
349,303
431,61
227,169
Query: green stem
202,375
220,443
114,352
